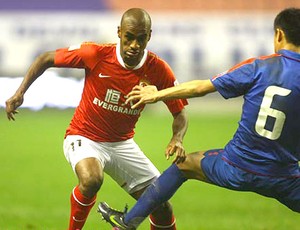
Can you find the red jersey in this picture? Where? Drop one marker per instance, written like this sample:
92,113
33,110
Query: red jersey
102,114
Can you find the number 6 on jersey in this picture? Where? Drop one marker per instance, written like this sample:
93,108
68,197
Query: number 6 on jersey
266,110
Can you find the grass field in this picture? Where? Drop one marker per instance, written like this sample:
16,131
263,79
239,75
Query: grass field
36,180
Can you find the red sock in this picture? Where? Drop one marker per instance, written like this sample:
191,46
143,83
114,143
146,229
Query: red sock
80,208
163,225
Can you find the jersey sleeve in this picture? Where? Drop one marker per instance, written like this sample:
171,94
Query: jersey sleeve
236,81
78,56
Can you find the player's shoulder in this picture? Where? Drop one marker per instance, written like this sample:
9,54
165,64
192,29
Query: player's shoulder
97,49
154,59
253,61
269,56
98,46
153,56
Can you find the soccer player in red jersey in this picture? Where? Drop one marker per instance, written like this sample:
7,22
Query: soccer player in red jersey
100,136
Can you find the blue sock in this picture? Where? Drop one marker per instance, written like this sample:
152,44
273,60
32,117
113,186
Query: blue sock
157,193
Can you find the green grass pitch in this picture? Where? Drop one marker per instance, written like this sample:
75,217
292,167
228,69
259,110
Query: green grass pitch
36,180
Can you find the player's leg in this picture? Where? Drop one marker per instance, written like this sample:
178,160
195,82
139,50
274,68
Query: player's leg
164,188
162,217
83,197
292,197
285,190
219,172
82,156
134,172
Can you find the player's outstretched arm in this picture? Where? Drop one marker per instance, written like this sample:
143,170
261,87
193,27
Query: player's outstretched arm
40,64
141,95
149,94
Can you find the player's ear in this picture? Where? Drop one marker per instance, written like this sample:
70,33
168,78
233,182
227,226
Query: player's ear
119,31
279,35
279,39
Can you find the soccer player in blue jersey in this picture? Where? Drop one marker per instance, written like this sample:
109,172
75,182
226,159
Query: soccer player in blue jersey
263,155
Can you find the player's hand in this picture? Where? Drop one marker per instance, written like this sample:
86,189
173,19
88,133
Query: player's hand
141,95
12,104
175,148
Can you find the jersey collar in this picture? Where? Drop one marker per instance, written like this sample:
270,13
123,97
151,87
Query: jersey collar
120,59
290,54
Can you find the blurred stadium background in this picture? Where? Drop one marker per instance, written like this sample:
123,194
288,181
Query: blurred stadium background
198,38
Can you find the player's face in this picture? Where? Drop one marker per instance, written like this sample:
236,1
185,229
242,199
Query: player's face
133,40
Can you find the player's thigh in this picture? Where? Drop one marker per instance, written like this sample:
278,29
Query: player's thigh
90,171
292,198
219,172
191,167
285,190
129,167
84,157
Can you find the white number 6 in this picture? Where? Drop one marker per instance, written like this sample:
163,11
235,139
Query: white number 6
266,110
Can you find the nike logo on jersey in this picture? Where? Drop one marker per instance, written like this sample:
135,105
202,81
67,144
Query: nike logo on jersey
103,76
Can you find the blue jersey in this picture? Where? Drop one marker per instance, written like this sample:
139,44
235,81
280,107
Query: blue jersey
267,141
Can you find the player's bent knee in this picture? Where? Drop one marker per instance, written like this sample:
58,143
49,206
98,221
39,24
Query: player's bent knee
191,167
90,186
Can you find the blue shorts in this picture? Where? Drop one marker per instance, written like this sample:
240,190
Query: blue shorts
223,174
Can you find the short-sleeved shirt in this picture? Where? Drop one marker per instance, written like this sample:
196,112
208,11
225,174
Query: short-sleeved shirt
102,114
267,140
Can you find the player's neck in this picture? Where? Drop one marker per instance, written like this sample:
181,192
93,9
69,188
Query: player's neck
292,47
129,66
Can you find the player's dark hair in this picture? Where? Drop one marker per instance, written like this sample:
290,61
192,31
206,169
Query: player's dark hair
288,21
